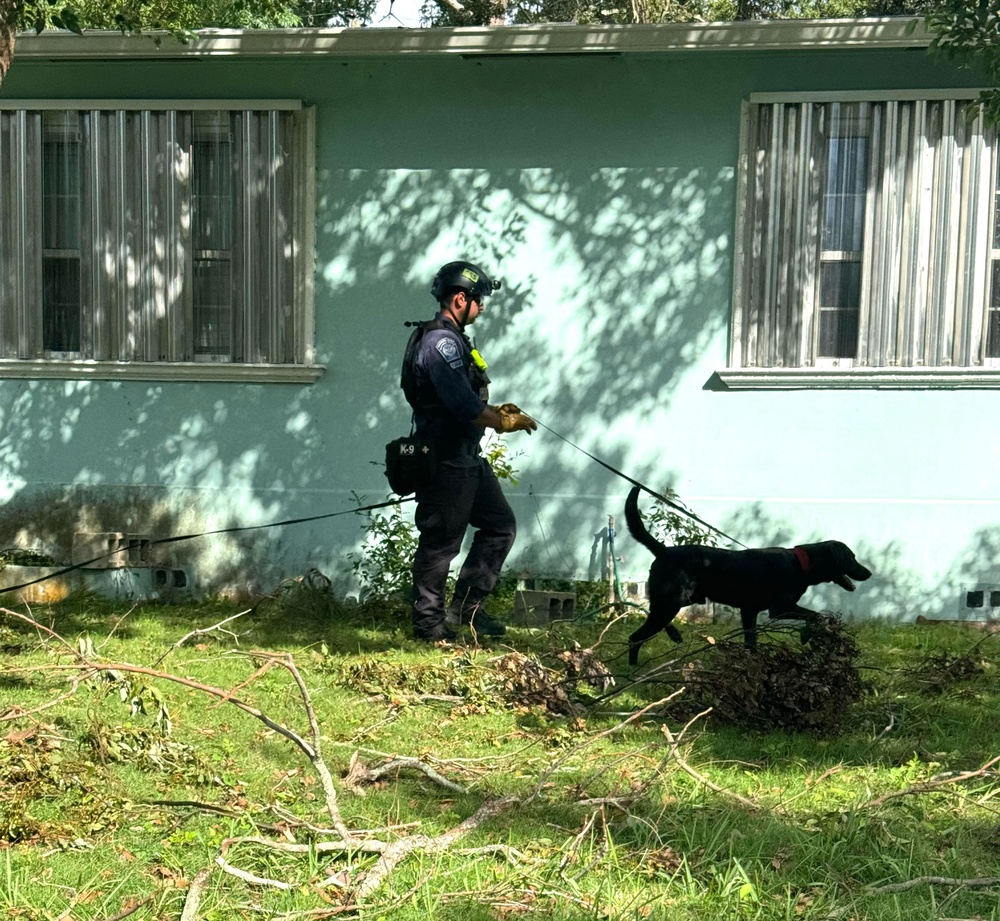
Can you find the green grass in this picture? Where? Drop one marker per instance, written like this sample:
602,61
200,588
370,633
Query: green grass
101,809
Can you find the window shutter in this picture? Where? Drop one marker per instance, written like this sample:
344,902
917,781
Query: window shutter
928,240
157,235
20,234
926,256
781,224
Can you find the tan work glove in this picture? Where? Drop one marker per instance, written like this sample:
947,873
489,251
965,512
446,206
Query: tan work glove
512,419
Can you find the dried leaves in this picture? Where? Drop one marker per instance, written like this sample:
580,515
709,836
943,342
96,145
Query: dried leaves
811,687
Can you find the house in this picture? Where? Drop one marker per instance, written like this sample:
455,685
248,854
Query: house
753,262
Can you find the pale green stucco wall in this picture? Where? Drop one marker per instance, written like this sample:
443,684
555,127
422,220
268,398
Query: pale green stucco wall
602,189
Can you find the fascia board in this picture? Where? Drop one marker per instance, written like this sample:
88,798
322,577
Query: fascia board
548,38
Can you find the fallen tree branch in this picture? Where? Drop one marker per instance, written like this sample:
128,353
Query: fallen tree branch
630,719
251,878
933,785
398,850
360,775
192,901
979,883
312,751
88,665
201,631
674,743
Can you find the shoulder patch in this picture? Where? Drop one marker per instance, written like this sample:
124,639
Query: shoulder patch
449,350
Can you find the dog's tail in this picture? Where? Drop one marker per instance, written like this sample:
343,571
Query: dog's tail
635,526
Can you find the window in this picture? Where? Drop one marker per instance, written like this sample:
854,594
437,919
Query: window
155,240
868,239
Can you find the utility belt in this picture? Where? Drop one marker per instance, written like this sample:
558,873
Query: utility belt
411,462
463,449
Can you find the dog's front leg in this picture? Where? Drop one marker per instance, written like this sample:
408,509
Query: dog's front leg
748,616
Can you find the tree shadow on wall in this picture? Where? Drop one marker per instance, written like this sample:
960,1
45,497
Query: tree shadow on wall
615,280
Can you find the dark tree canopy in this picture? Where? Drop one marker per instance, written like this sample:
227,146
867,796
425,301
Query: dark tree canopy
176,16
495,12
968,33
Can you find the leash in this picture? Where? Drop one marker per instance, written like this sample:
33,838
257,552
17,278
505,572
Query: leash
180,537
177,538
677,507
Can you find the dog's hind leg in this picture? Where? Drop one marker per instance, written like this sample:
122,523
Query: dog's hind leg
659,618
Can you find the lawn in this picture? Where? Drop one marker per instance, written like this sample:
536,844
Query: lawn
153,771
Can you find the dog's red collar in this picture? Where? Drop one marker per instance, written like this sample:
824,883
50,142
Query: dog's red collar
802,557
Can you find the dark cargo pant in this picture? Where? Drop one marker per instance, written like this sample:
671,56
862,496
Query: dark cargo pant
457,497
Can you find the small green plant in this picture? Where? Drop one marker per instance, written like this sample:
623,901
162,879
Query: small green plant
382,567
15,556
674,528
498,456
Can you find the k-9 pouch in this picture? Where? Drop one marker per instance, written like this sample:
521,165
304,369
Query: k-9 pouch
409,463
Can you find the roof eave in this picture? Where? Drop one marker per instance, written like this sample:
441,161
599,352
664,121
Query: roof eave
548,38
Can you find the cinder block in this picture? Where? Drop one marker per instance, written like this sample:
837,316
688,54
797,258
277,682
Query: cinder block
537,609
110,549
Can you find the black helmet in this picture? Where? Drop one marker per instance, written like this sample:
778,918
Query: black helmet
462,276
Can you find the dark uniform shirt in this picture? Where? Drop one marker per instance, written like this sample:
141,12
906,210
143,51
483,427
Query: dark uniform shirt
451,391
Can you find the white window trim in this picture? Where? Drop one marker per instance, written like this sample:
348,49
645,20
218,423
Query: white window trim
860,378
82,369
835,373
156,371
152,105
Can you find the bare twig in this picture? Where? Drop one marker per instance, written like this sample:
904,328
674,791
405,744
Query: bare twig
17,713
368,846
48,631
130,909
319,765
192,901
297,822
399,849
200,632
674,743
979,883
578,840
630,719
619,802
251,878
118,623
360,774
610,624
191,804
933,785
513,855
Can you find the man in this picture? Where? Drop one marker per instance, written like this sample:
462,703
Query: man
444,380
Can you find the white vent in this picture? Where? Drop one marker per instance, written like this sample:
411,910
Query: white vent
981,599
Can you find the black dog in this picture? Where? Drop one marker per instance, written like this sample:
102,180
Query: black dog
773,579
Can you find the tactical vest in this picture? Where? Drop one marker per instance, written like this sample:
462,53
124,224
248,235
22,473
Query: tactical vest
426,399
